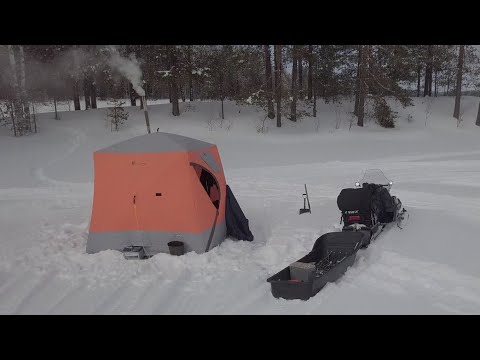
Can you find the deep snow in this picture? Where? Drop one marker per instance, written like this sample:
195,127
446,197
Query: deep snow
431,266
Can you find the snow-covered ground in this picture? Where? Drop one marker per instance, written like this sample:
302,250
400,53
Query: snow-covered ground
429,267
48,106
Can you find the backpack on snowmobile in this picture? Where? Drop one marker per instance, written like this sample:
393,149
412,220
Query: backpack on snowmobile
383,204
370,204
356,207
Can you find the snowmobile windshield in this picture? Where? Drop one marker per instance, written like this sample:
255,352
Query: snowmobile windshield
375,176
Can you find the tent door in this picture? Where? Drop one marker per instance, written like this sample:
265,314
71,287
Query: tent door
212,188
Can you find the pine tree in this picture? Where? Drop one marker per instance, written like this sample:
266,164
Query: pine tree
116,115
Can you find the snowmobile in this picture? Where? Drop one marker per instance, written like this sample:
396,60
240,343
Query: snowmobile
369,207
367,210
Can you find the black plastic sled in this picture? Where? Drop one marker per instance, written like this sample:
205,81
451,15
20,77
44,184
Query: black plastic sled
329,259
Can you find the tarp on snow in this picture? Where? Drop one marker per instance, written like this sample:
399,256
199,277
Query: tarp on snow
236,222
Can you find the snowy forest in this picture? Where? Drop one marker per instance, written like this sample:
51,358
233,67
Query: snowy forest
283,80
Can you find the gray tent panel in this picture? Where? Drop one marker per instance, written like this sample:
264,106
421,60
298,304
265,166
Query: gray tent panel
157,142
208,158
154,241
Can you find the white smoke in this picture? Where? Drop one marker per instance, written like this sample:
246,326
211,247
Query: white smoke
128,67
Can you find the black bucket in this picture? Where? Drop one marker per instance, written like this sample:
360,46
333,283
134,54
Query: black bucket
176,248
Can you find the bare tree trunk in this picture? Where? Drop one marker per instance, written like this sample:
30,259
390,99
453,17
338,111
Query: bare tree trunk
436,74
310,75
76,95
427,91
14,80
12,116
425,83
182,89
357,93
367,69
190,77
21,58
143,100
448,85
173,79
76,80
93,94
300,76
17,115
34,118
461,55
269,81
430,81
478,116
419,73
314,102
361,86
432,60
293,105
223,113
86,92
278,82
145,112
13,68
55,105
23,89
131,93
222,88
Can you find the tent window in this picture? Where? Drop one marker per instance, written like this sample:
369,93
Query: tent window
209,184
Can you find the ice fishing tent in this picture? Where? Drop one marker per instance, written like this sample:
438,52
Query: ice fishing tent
157,188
